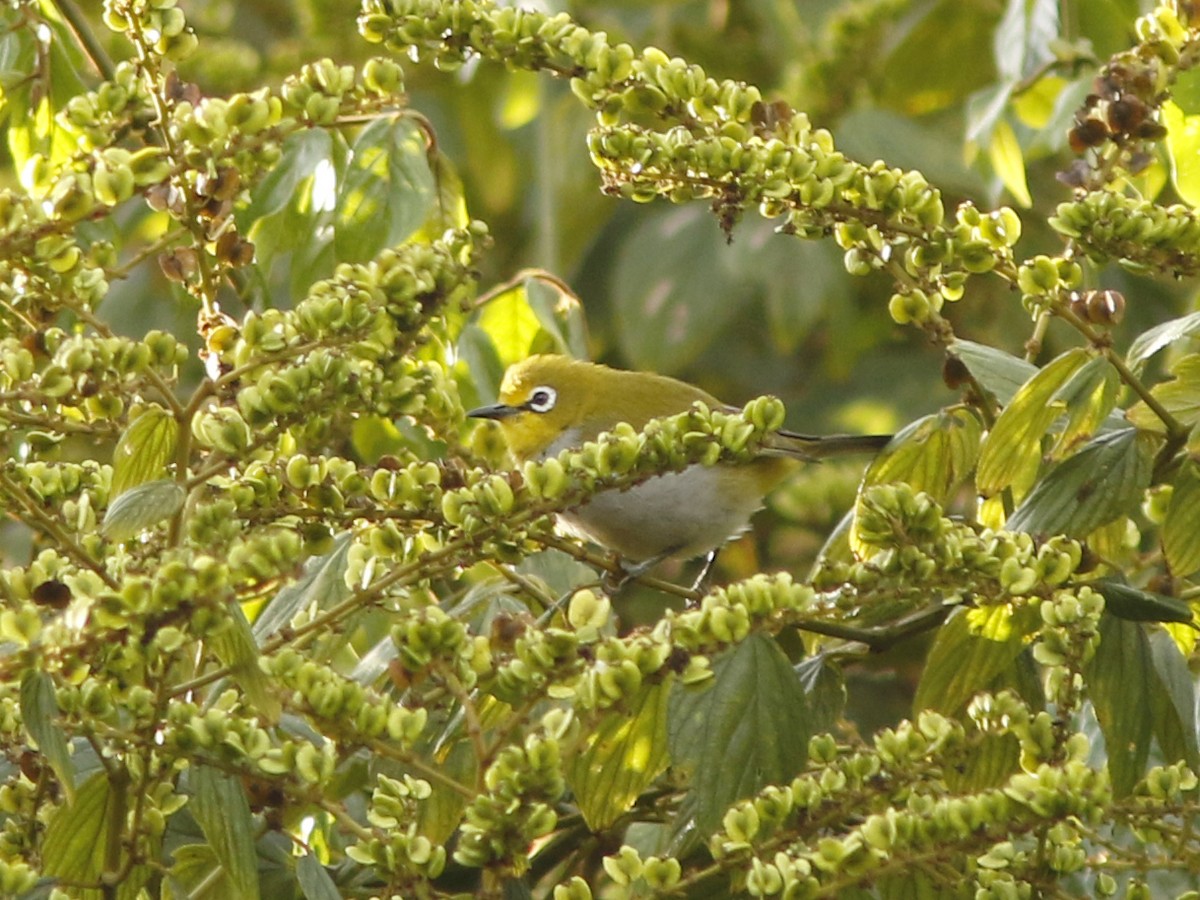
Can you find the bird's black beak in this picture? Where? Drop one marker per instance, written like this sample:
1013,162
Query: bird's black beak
495,411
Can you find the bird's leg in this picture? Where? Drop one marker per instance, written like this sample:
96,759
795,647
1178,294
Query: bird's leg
613,581
700,585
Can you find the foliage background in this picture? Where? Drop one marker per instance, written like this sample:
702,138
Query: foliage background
979,96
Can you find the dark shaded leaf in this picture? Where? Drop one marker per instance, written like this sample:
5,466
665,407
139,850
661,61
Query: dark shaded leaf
825,687
39,713
1000,374
1118,679
1136,605
321,584
314,880
1174,701
1102,481
748,726
219,806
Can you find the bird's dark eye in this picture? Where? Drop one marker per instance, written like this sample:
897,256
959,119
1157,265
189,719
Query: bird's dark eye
542,399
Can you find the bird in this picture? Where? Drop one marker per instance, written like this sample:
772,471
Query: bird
549,403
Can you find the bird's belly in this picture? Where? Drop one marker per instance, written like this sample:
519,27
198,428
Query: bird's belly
677,514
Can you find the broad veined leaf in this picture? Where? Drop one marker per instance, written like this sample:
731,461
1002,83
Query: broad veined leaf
314,880
140,507
1150,342
39,713
302,153
387,190
934,454
236,648
320,585
1180,397
972,648
219,806
747,727
1000,374
1118,679
1136,605
1089,396
77,840
619,758
1174,702
1181,527
145,448
1101,482
1183,147
1025,37
826,689
560,314
1012,452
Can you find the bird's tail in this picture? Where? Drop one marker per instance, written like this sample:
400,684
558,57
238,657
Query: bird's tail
812,447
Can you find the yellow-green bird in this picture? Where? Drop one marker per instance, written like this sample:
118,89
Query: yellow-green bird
550,403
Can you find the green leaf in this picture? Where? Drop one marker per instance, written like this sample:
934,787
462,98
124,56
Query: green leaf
620,756
825,688
39,714
1012,453
387,190
1150,342
560,314
77,837
1008,162
1000,374
1181,527
1183,148
321,584
1102,481
219,806
1117,679
747,727
1089,396
971,650
1174,700
236,648
934,454
314,881
1025,37
141,507
302,153
142,453
1134,605
1180,397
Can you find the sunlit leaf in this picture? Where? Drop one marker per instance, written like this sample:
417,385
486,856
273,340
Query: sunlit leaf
1174,701
1089,396
1181,528
971,649
1154,339
1180,397
144,450
1183,147
1102,481
219,805
141,507
386,192
1012,452
1035,105
39,713
1118,678
1008,161
1025,37
620,756
76,836
934,454
302,153
746,727
560,314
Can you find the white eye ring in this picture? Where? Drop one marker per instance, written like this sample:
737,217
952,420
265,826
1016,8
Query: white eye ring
542,399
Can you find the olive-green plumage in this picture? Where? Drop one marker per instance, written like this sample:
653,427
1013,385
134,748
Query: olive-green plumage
549,403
